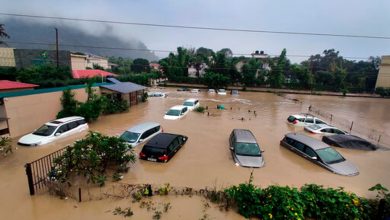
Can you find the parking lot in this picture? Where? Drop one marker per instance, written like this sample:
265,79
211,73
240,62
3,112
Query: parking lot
205,160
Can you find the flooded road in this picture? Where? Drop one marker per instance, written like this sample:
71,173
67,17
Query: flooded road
205,160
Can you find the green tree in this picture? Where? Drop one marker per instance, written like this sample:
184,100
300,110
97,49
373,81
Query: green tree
140,65
227,52
3,34
249,72
69,104
122,65
276,78
215,80
304,79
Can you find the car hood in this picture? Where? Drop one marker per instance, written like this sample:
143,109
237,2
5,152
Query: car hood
31,139
249,161
344,168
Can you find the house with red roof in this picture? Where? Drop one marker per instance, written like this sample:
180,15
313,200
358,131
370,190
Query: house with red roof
79,74
11,86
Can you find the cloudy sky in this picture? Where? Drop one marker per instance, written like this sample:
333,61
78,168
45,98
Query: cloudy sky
352,17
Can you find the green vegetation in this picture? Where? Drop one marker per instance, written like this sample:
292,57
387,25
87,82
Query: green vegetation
91,157
384,92
140,65
5,146
309,202
200,109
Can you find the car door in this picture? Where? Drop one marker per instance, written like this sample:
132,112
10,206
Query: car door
327,131
309,121
174,147
309,153
62,131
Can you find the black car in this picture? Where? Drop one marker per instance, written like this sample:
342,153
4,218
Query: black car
349,141
162,147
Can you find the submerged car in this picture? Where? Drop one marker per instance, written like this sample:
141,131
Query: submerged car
162,147
221,92
157,94
184,89
54,130
141,133
176,112
234,92
211,91
191,104
323,129
304,119
349,141
320,153
195,90
245,149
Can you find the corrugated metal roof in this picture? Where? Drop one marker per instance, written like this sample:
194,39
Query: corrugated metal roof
124,87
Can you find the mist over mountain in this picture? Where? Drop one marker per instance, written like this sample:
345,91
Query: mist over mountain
85,38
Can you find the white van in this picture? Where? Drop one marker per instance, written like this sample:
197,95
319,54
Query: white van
54,130
191,104
141,133
176,112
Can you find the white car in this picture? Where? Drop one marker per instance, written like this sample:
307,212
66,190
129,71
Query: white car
54,130
157,94
141,133
211,91
191,104
195,90
221,92
304,120
176,112
323,129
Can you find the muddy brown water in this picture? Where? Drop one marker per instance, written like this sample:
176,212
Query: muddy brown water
205,160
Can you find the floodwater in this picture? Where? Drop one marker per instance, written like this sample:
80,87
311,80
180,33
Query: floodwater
205,160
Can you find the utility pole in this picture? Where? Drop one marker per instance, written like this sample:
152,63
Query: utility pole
57,58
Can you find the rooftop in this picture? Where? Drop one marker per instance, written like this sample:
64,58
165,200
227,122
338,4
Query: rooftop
78,74
7,84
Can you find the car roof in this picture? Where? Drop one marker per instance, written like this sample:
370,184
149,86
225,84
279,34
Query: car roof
178,107
64,120
161,140
309,141
303,115
141,128
244,135
190,100
321,126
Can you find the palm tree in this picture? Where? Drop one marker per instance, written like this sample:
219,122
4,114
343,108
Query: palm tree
3,34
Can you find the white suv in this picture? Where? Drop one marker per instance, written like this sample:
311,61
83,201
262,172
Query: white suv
191,104
304,119
176,112
54,130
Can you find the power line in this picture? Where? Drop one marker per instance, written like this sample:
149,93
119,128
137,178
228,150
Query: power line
156,50
199,27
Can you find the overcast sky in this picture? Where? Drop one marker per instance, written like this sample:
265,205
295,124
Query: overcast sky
354,17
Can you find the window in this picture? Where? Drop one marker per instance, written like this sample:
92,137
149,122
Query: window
81,122
299,146
63,128
146,134
72,125
327,130
309,152
318,121
45,130
309,120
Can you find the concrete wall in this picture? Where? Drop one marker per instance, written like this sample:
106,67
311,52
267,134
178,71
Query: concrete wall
27,113
7,57
78,62
28,57
383,79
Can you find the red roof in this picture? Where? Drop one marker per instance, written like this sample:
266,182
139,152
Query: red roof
78,74
6,84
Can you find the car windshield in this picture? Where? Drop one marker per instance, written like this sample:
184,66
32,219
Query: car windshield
247,149
329,155
153,151
173,112
130,137
314,127
45,130
188,104
221,90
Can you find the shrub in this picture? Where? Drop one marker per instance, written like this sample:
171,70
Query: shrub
115,106
384,92
200,109
5,146
90,157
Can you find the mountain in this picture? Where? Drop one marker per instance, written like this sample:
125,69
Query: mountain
24,34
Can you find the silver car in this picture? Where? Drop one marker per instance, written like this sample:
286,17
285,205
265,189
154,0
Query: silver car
320,153
244,148
141,133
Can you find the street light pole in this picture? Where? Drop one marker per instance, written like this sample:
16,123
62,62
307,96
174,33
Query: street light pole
57,58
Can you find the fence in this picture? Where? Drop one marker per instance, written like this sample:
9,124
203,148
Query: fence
377,137
37,171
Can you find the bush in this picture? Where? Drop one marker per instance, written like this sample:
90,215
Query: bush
115,106
90,158
384,92
5,146
200,109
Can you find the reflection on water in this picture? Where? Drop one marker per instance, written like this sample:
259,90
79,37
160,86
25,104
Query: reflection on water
205,160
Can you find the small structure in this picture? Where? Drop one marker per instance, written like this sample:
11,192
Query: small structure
78,74
12,86
383,79
131,92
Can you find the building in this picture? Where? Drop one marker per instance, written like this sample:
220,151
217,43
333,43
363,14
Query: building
383,79
263,57
193,73
7,57
79,74
12,86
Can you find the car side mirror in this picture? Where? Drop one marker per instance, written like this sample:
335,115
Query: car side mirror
231,148
57,134
313,158
262,151
141,140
